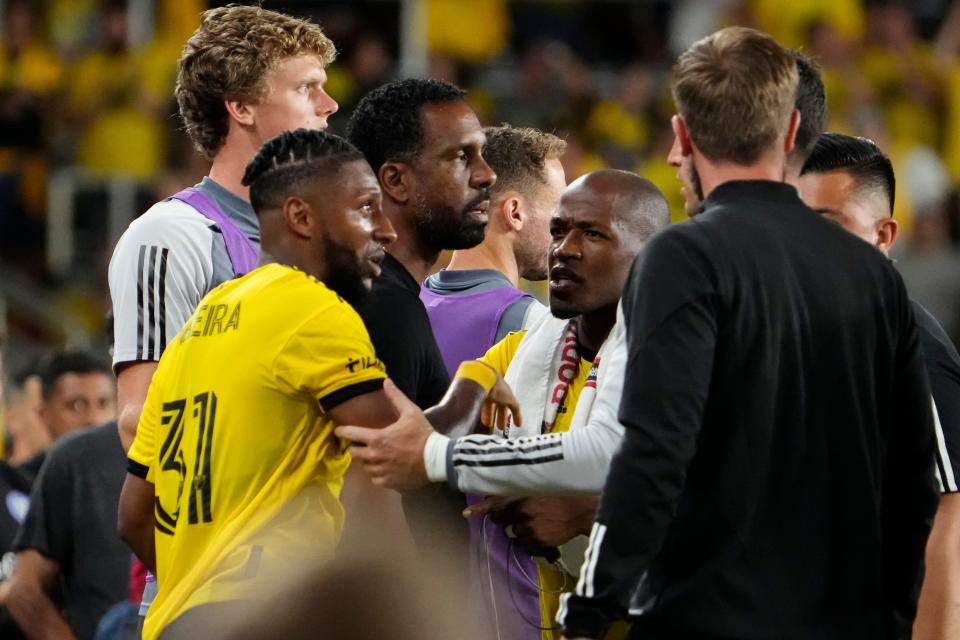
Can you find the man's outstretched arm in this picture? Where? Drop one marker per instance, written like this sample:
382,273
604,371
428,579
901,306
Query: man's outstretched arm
569,462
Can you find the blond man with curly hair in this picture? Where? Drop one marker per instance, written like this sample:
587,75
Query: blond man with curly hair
245,75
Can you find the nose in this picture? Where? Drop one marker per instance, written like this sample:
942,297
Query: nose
326,106
383,231
676,155
483,176
568,248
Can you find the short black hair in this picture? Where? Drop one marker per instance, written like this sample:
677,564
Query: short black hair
284,162
60,363
387,125
811,103
859,157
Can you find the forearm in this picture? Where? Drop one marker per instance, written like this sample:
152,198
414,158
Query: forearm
460,409
133,381
136,519
142,542
570,462
34,612
938,612
628,531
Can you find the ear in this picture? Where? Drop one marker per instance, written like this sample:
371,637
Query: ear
511,210
886,234
297,215
791,138
396,181
683,134
239,110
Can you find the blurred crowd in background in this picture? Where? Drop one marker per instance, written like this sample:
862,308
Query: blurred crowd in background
89,137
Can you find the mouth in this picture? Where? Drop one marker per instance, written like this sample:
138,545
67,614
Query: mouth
563,279
375,260
480,209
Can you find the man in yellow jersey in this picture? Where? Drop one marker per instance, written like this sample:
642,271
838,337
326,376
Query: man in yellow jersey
555,367
235,474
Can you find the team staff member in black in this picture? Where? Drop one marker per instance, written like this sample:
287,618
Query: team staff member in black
850,181
424,143
773,369
425,146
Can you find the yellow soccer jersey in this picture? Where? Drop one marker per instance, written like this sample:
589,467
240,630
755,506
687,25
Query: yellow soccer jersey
501,354
236,439
552,582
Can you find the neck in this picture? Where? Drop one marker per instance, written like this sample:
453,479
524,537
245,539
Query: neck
406,248
713,174
231,161
290,257
594,327
489,254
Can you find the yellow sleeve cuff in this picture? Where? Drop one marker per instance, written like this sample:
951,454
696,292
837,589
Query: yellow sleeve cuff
480,372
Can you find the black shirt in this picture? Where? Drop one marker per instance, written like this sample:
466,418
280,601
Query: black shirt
776,475
943,369
72,520
401,334
14,501
403,338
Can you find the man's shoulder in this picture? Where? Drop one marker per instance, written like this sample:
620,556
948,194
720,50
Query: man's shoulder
171,225
82,443
939,352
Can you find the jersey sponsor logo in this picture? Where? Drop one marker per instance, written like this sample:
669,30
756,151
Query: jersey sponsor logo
366,362
213,320
569,365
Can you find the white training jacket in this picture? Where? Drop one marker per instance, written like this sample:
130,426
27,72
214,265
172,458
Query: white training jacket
574,461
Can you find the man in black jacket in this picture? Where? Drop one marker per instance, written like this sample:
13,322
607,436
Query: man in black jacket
851,182
774,369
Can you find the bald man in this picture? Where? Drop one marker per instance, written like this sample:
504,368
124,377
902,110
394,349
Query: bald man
566,372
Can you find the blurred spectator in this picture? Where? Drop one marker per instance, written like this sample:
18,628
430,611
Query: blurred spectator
847,91
30,75
367,66
789,21
71,566
24,431
72,25
619,126
71,390
114,106
930,267
901,70
470,30
77,390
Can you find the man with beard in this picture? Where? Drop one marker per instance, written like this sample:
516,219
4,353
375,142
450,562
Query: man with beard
850,181
235,474
559,368
474,303
774,369
811,102
425,145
